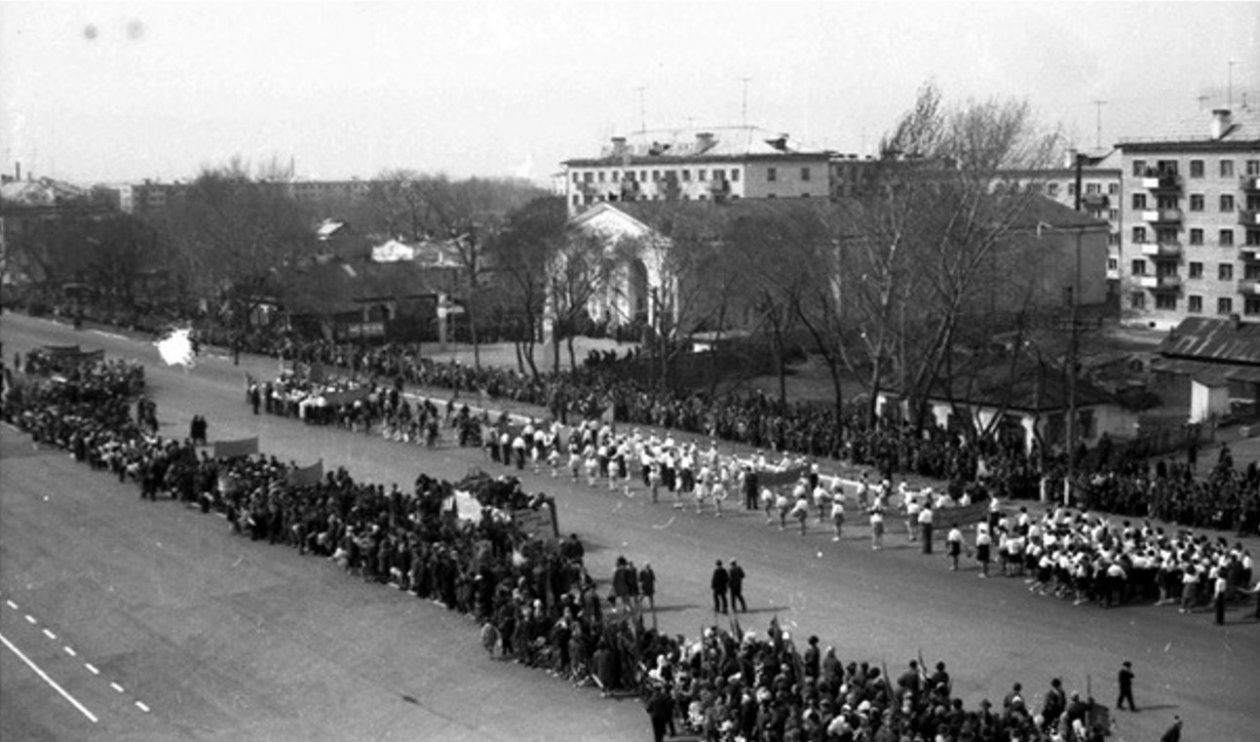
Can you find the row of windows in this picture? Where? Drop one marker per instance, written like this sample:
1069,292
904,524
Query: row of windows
1197,168
1198,202
1224,237
1091,189
1224,271
684,174
1194,303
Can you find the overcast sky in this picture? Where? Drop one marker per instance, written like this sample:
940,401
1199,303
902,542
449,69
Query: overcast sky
114,92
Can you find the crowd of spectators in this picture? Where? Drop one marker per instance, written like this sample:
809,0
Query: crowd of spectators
537,605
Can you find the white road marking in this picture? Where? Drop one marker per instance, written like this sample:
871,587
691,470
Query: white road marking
70,651
44,676
115,336
142,707
11,604
31,619
116,687
91,668
50,635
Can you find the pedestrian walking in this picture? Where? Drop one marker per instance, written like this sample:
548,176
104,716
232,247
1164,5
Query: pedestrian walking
1173,734
1125,680
1220,588
719,584
984,544
877,527
925,526
837,514
953,544
647,585
735,581
660,708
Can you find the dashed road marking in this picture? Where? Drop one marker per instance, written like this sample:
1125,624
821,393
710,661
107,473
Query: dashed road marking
70,651
140,705
91,668
11,604
31,619
116,687
50,635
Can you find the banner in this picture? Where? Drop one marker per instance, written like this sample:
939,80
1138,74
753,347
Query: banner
950,517
773,478
307,476
539,524
315,373
233,449
347,397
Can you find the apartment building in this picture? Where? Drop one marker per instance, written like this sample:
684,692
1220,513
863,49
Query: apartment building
717,164
1190,244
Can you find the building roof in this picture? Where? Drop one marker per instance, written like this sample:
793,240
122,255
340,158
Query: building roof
1243,128
1223,341
725,143
1031,388
339,286
41,192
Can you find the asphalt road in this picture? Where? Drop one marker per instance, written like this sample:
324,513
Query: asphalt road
211,636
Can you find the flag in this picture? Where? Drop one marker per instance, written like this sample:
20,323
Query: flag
610,414
234,449
306,476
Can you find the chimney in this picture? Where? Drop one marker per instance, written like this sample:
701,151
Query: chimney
704,140
1220,122
618,146
1236,321
1070,157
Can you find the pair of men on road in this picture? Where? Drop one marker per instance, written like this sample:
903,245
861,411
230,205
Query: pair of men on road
728,580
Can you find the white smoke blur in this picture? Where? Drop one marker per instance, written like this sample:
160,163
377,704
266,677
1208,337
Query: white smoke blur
176,348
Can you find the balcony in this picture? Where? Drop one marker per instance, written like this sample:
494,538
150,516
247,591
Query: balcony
1249,218
1162,216
1095,201
1250,253
1249,287
1113,274
1157,181
1250,183
1171,282
1162,249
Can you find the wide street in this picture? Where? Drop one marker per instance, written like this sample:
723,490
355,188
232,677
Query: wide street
161,625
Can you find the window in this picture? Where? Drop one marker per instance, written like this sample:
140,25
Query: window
1113,238
703,174
1165,301
1194,304
1113,214
1093,189
1196,168
1165,236
1139,235
1113,189
1071,189
805,174
1226,238
1139,168
1227,168
1137,300
1113,264
686,176
588,177
1227,202
1139,200
1253,238
577,199
1166,167
616,176
602,175
1253,167
1224,305
1251,305
577,177
1139,268
1251,271
642,176
735,176
1052,189
1196,202
772,174
1196,270
1225,271
1196,236
656,176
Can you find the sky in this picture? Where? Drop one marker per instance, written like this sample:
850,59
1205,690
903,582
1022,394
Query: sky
112,92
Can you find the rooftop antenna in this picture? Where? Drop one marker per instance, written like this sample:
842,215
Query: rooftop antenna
1230,88
1098,124
744,107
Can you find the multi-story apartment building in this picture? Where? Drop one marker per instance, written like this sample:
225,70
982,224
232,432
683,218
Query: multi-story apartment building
150,198
689,165
1190,244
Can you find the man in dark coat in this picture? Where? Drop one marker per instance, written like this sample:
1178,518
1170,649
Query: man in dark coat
735,582
1125,680
719,584
660,707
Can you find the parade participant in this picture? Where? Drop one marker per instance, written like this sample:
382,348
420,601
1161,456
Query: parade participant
925,526
800,510
735,581
837,515
877,526
954,542
719,583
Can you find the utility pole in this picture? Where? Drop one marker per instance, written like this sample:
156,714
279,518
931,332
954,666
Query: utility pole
744,107
1229,90
1073,349
1097,126
642,111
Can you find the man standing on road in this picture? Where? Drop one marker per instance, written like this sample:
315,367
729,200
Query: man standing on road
925,524
647,585
1126,686
752,488
719,584
735,581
